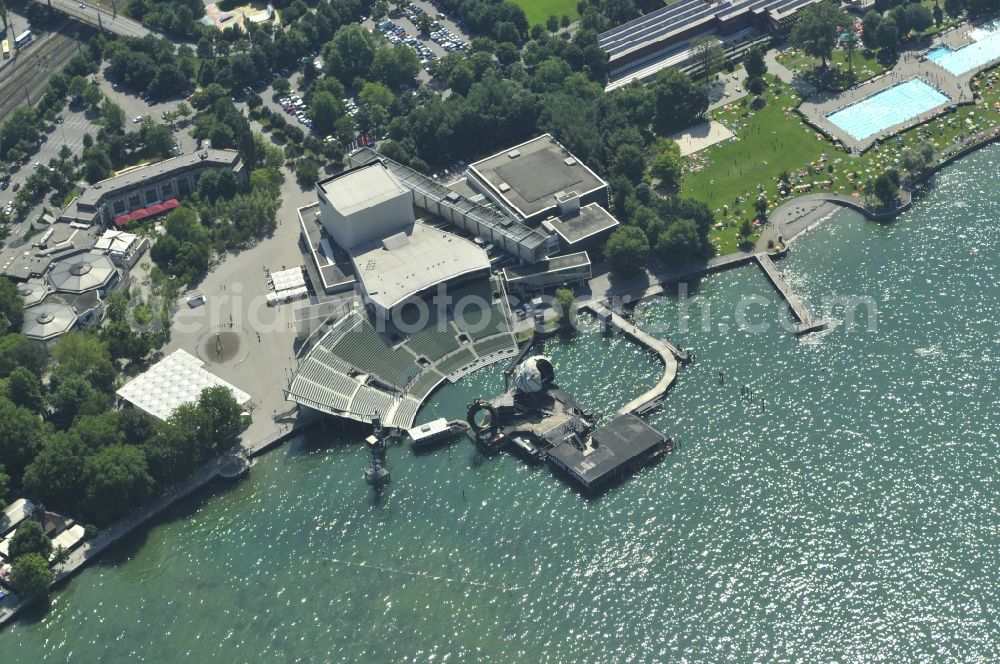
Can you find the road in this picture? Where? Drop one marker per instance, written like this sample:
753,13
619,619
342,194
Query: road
84,13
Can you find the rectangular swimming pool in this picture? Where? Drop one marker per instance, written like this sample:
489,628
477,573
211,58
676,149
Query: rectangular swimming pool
889,107
971,56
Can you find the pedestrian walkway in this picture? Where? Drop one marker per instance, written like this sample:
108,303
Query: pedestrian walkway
806,322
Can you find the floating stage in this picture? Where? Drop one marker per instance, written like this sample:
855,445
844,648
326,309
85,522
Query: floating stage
538,421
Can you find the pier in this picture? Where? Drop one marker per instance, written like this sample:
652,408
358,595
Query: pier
668,352
806,322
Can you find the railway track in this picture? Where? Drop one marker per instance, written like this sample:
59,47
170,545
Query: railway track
26,76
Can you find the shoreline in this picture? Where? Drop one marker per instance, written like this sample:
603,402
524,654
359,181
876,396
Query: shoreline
801,214
208,473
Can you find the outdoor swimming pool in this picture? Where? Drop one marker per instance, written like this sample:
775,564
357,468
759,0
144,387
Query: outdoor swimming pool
972,56
889,107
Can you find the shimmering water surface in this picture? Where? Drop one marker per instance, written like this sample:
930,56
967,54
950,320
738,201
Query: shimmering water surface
848,513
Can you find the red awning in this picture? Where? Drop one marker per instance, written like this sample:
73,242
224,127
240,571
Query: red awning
122,219
170,204
141,213
156,209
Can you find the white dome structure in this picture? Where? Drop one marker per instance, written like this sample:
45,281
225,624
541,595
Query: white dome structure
534,374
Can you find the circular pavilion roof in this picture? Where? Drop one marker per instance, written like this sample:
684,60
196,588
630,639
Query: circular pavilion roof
48,320
81,273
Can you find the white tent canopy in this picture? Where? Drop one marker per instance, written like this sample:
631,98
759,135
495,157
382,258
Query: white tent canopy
176,379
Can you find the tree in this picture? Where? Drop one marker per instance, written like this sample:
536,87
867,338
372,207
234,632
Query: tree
888,35
25,390
938,15
760,205
815,31
306,172
679,101
11,306
756,86
54,474
754,63
183,109
626,251
395,65
680,243
629,162
885,189
223,415
17,350
869,28
30,539
324,109
709,54
4,482
83,354
20,436
350,54
31,576
667,167
564,300
564,21
552,23
117,479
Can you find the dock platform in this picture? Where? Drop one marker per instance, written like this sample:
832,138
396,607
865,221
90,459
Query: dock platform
668,352
806,322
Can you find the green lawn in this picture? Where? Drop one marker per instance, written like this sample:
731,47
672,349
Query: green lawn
538,11
774,139
864,68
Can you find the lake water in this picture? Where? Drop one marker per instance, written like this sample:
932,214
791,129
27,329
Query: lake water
851,517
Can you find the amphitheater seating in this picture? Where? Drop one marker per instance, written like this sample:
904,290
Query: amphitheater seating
423,385
405,413
495,344
362,347
369,401
432,342
455,362
319,395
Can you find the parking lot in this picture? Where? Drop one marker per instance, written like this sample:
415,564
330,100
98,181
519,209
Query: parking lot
446,36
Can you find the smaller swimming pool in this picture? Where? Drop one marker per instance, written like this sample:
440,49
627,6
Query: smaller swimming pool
972,56
889,107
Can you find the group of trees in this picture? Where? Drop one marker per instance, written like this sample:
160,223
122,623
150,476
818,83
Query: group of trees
63,446
887,32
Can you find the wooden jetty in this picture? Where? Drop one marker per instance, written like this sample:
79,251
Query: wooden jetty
806,322
667,351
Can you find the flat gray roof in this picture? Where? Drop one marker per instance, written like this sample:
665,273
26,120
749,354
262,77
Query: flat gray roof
618,443
528,176
556,264
361,188
593,219
92,195
25,261
413,260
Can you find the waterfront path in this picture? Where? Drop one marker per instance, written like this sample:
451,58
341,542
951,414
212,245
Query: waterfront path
667,351
88,551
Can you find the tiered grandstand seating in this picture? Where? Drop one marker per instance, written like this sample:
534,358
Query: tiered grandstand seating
423,385
456,361
362,347
433,342
405,413
317,394
495,344
370,401
332,380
